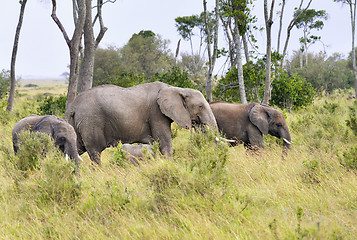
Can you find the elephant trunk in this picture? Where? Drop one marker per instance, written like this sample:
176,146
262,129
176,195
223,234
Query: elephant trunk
73,154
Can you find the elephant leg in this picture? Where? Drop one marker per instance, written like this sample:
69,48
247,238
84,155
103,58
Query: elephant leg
162,133
95,156
255,139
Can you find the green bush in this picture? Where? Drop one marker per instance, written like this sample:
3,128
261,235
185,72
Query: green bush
174,77
32,150
124,79
4,82
349,158
291,92
52,105
58,183
351,122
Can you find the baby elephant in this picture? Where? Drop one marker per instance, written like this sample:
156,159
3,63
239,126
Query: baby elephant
248,123
135,152
62,132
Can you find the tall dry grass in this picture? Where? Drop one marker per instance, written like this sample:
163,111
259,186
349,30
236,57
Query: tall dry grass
206,191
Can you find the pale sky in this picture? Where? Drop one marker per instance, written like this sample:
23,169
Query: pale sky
43,52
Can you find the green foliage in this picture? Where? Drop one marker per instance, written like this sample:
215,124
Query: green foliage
287,91
52,105
175,77
323,72
120,156
107,65
58,182
206,190
349,158
4,82
291,92
227,88
146,53
351,122
124,79
32,150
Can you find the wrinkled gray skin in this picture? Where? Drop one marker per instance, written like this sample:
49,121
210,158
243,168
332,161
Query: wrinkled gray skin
135,152
105,115
64,136
248,122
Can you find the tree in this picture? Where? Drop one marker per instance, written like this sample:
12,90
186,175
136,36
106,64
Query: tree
186,26
146,53
309,20
13,57
268,16
212,56
291,25
236,13
74,47
82,14
352,4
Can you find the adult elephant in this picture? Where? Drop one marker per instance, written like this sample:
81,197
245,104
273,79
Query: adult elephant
105,115
62,132
248,123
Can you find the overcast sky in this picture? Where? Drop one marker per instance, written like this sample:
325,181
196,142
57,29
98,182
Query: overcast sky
43,52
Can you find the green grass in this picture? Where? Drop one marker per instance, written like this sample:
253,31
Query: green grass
206,191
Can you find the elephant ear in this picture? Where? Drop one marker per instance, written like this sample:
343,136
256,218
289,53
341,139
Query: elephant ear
171,101
44,125
259,117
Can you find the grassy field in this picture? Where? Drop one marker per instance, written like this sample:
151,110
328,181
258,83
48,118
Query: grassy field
206,191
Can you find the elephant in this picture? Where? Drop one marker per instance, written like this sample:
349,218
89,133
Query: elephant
135,152
104,115
248,123
62,132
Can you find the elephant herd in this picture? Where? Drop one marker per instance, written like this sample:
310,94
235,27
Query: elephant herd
105,115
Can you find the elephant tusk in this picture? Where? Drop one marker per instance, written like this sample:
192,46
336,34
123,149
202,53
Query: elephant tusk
287,141
224,139
80,158
66,157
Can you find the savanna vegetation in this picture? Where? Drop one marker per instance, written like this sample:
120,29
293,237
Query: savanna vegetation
206,191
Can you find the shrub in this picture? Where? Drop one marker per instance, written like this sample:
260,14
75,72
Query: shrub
175,77
352,121
4,82
52,105
125,79
58,183
291,92
32,149
349,158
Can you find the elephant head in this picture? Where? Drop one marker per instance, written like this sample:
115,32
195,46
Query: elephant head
187,107
63,134
272,121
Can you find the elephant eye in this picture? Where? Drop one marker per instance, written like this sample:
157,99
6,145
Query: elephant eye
61,139
279,125
201,107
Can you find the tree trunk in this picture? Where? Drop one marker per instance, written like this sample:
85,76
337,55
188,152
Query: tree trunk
290,27
280,24
268,24
211,58
87,65
353,25
245,46
74,49
13,58
243,97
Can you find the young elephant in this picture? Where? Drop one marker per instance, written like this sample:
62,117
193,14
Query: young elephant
248,122
105,115
62,132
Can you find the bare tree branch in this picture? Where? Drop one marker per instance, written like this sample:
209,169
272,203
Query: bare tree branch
59,24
